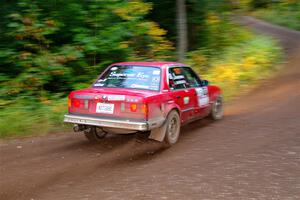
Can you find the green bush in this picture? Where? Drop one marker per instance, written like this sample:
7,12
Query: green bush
241,65
285,14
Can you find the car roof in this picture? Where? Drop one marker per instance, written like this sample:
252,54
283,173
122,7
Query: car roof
161,64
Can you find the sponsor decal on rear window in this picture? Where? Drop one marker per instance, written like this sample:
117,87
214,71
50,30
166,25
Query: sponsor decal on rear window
135,77
156,72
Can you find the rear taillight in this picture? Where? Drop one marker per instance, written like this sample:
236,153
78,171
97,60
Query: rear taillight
133,107
76,103
69,103
145,109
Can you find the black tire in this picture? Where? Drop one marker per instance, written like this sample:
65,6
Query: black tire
173,128
217,109
94,134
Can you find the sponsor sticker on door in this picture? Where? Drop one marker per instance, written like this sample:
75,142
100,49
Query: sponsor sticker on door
186,100
203,98
203,101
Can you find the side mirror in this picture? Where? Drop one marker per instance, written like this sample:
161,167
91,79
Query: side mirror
204,82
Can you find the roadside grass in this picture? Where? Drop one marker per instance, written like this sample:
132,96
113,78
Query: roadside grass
283,17
27,118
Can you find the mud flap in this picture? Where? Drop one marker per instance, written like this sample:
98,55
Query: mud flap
158,134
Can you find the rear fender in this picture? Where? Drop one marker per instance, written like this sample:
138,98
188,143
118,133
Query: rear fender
215,92
159,134
169,106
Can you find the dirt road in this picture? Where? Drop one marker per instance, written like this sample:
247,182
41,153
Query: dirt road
254,153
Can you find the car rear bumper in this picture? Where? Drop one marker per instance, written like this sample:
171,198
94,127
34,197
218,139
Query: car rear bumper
114,123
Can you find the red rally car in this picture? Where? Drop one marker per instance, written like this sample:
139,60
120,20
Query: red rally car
131,97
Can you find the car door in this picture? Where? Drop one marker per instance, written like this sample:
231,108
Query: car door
201,103
182,93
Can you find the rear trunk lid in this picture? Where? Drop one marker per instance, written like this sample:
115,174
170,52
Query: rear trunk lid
110,103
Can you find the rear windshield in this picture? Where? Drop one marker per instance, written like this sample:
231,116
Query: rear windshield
134,77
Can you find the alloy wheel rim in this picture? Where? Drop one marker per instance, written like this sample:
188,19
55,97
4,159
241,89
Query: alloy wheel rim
173,129
218,108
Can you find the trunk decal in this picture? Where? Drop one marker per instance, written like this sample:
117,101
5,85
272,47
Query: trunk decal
116,97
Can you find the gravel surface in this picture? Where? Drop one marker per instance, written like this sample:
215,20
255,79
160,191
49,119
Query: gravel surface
254,153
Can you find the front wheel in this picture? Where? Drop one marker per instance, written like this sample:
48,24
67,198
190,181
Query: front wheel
173,128
94,134
217,109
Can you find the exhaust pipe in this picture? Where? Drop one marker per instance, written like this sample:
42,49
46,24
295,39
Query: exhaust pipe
78,128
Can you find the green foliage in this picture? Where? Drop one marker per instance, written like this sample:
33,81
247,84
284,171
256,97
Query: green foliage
222,34
281,12
52,52
240,66
260,3
286,13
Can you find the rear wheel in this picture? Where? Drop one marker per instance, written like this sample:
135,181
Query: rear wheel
217,109
173,128
94,134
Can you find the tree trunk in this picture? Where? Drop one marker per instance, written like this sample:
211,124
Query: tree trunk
181,30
